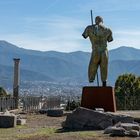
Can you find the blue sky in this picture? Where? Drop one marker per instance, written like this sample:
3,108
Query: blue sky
58,24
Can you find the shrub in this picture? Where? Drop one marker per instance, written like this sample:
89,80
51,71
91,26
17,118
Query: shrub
127,92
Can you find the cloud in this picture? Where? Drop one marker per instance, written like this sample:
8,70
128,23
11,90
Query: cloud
55,33
126,38
128,32
46,44
61,33
69,39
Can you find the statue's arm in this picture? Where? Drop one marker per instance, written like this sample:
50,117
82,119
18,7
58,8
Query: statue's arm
86,33
84,36
110,36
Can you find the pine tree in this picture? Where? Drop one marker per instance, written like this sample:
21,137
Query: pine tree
127,91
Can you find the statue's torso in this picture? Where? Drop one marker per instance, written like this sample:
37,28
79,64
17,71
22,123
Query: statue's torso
98,35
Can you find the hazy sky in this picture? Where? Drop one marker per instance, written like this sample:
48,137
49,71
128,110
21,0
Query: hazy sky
58,24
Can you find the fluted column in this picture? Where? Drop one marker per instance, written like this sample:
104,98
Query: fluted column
16,80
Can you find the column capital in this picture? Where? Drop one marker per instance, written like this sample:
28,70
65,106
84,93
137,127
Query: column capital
16,59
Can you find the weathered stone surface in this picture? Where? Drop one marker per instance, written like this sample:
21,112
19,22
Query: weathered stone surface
109,129
134,133
83,118
123,129
21,121
122,118
55,112
130,126
7,121
118,131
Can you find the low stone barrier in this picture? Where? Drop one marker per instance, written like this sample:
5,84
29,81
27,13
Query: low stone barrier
21,121
55,112
7,121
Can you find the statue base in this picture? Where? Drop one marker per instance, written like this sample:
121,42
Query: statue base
99,97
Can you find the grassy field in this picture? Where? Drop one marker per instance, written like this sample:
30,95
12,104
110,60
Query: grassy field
42,127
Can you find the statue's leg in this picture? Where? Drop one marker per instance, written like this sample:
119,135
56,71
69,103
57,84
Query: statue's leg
104,67
93,66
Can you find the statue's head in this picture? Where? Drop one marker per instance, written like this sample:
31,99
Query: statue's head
98,19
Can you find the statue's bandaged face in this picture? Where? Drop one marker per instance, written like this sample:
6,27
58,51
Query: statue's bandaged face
98,20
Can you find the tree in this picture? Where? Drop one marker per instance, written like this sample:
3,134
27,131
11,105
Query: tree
71,105
127,92
3,93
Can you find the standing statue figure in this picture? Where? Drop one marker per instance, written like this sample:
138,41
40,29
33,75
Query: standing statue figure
99,35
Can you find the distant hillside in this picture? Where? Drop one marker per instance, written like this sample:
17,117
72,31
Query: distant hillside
124,53
6,76
118,67
58,66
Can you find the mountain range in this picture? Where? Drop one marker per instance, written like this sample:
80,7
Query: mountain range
55,66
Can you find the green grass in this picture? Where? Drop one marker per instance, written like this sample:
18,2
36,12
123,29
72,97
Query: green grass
10,133
86,133
38,132
23,132
52,132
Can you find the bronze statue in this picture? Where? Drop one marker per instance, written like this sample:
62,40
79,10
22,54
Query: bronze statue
99,35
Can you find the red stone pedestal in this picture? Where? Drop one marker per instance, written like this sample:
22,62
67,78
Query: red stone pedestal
99,97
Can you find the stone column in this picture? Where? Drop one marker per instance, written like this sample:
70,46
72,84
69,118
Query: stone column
16,80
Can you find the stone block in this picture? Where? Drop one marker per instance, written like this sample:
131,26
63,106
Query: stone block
123,129
43,111
116,118
21,121
55,112
115,131
130,126
84,118
7,121
134,133
99,97
109,129
118,131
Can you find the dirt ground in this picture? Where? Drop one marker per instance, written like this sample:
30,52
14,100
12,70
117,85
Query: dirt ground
42,127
